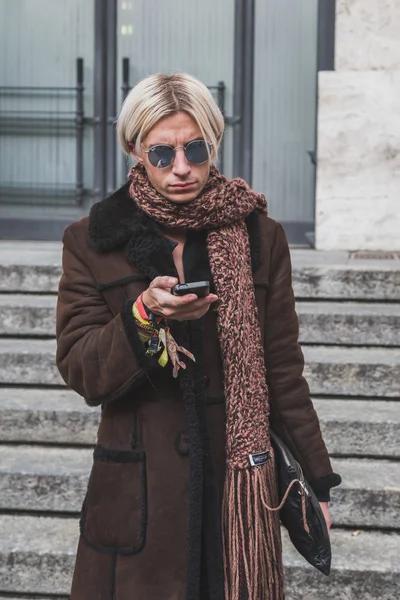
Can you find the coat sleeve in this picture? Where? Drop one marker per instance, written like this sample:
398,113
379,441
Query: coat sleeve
99,355
292,413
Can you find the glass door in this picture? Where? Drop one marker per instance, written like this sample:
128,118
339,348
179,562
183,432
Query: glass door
191,37
66,67
46,99
285,98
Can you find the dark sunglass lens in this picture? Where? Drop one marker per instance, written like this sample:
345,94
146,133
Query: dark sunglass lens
196,152
161,156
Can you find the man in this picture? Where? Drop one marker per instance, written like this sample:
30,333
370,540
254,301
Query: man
188,385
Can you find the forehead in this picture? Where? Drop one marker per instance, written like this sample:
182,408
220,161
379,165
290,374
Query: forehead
176,130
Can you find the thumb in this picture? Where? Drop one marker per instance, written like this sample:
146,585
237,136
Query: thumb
164,282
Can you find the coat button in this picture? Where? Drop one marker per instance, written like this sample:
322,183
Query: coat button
206,381
182,443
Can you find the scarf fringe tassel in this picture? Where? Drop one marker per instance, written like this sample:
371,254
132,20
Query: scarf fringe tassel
251,540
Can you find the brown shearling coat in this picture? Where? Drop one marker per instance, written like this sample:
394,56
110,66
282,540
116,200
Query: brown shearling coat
136,526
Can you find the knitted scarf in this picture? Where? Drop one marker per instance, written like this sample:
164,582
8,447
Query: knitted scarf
251,533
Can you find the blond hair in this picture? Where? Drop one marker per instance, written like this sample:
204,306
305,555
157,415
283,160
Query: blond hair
159,96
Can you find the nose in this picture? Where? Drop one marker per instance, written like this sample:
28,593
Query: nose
180,166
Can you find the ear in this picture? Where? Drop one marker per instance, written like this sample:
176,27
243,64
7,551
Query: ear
137,156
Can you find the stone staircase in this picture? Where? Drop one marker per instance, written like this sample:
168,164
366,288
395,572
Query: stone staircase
349,312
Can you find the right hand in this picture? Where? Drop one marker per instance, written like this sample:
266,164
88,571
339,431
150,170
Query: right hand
160,301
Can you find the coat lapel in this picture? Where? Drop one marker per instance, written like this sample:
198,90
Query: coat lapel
117,222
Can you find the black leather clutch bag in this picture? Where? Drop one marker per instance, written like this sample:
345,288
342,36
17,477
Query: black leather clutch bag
301,513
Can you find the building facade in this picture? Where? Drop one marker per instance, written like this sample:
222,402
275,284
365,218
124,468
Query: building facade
321,146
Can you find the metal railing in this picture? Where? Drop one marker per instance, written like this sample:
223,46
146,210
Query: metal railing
55,124
51,124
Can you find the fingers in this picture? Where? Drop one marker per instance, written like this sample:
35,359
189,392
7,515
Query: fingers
164,282
183,300
189,298
160,301
189,302
182,308
190,311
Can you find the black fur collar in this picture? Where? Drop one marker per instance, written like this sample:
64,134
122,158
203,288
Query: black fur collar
112,221
116,222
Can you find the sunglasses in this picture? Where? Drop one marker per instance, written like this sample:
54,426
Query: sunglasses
162,155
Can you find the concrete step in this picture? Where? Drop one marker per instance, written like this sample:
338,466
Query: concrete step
42,478
350,427
34,478
46,416
30,266
28,362
349,323
330,370
369,495
36,267
360,427
37,554
364,567
336,276
27,315
37,557
353,371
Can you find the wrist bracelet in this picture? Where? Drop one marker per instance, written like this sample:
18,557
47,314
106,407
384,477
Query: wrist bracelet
157,337
146,313
140,307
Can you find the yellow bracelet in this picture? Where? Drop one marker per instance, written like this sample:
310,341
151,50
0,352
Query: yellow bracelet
138,317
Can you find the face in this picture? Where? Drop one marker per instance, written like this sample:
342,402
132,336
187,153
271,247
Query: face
182,181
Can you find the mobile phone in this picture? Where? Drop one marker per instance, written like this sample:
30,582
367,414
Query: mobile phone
200,288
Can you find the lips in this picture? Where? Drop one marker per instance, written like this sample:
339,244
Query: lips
183,186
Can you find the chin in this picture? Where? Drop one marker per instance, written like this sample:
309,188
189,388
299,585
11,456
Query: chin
182,198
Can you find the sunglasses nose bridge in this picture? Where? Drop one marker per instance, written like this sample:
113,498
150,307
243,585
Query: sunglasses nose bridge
180,163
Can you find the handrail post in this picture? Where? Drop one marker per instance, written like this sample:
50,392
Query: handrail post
243,93
111,101
100,96
79,125
126,88
221,101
